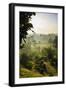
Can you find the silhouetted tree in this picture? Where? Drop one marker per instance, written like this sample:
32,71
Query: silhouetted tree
25,25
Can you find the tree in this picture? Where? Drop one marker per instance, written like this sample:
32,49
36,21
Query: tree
25,25
56,42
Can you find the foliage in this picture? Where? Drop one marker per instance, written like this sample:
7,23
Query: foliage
39,59
56,42
25,25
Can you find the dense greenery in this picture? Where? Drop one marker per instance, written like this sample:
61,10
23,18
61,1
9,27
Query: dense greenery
38,53
38,58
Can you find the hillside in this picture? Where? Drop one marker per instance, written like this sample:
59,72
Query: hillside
42,38
38,57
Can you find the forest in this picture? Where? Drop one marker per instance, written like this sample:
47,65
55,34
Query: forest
38,52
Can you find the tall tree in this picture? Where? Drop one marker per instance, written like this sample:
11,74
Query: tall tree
25,25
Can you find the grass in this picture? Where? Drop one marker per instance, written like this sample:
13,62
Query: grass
24,73
36,52
51,70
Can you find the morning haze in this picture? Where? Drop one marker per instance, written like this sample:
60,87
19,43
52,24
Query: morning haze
45,23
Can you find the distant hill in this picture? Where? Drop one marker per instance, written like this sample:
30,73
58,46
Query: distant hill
42,38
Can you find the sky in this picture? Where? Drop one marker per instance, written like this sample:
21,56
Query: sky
45,23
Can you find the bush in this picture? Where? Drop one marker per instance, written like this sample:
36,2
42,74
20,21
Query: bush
48,55
29,65
24,59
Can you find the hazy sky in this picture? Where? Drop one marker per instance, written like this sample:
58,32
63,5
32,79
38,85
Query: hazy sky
45,23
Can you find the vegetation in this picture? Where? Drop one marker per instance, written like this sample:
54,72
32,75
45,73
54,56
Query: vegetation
38,59
38,52
25,25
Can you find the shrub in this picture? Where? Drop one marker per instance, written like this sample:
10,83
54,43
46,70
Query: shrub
29,65
24,59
